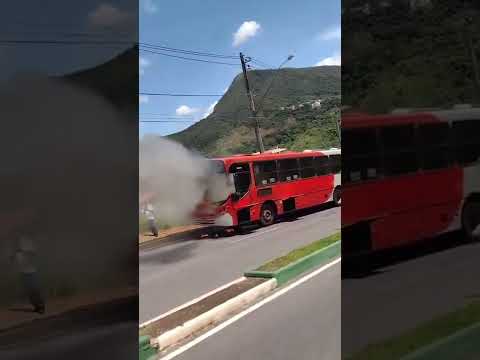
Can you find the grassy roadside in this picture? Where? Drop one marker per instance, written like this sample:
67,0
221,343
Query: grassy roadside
421,336
297,254
143,225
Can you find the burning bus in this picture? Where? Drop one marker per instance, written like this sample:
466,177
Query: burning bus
260,187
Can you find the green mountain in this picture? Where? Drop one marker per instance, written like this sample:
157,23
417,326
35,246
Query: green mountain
394,57
116,79
297,109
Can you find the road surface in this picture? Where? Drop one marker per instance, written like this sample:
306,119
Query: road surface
110,342
175,274
303,323
100,331
400,295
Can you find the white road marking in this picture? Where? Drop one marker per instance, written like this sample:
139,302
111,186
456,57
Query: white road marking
251,309
190,302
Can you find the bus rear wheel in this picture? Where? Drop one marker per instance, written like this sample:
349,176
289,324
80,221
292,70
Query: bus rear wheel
337,197
267,214
471,219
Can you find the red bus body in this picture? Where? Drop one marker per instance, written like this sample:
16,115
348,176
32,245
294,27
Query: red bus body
284,190
396,196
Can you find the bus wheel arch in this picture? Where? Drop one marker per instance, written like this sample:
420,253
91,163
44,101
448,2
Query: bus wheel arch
471,217
268,213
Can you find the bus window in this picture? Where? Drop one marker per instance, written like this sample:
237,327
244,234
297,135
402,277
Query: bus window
434,145
307,169
217,166
265,172
288,170
466,141
322,166
241,177
334,164
361,159
400,153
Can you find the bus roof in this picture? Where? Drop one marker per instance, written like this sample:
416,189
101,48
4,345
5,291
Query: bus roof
410,116
266,156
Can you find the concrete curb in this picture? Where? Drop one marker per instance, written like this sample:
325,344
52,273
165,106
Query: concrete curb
170,239
214,315
145,350
300,266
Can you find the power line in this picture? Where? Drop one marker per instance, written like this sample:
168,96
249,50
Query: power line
64,42
167,121
165,115
170,94
261,63
190,52
167,118
187,58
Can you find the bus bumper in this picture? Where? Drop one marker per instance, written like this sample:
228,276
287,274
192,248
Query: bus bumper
224,220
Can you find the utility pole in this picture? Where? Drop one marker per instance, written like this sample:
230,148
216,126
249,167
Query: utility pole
339,130
474,61
252,105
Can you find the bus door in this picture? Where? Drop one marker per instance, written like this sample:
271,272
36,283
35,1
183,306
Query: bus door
241,179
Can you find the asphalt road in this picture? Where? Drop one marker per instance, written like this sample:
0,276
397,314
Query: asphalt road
177,273
303,323
118,341
107,330
407,290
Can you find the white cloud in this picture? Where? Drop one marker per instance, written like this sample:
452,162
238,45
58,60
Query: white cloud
185,110
149,6
106,15
246,31
335,59
143,99
210,109
333,33
143,63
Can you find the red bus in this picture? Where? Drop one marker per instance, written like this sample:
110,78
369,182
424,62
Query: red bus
409,176
270,184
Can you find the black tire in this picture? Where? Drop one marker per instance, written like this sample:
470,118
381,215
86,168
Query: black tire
471,219
268,213
337,196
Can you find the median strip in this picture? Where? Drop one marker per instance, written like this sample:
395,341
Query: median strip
176,326
441,338
168,330
298,261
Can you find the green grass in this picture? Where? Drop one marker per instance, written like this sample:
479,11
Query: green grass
421,336
297,254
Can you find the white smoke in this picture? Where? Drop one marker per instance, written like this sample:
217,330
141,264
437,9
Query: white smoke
177,179
69,158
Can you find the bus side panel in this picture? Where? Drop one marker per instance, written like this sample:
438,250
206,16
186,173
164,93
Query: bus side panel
406,208
315,191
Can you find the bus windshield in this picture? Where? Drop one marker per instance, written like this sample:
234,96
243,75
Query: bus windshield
219,185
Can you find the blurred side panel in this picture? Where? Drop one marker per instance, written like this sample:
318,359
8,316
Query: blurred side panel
69,180
411,179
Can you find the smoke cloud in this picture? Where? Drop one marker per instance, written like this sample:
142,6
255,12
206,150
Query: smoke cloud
177,179
65,147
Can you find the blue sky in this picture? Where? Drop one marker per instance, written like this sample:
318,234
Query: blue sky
115,20
267,30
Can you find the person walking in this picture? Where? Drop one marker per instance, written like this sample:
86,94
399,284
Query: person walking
150,213
25,260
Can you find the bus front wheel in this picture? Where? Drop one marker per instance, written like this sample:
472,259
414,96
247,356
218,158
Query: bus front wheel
471,219
267,214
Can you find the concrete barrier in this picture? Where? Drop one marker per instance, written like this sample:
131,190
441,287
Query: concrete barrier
300,266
